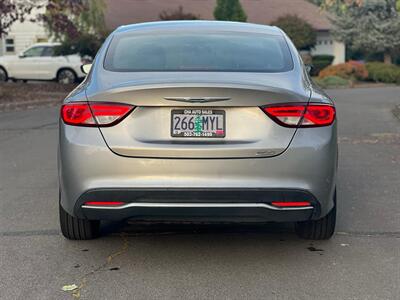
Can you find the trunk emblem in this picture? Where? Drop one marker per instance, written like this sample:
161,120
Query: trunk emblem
197,99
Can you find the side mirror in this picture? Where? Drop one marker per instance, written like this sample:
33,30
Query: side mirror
309,68
21,55
86,68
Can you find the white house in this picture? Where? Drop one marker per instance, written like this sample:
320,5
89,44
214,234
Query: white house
22,35
327,45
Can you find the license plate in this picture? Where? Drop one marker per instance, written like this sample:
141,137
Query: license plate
206,123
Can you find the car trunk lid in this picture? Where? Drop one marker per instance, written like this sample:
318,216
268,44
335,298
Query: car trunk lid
248,132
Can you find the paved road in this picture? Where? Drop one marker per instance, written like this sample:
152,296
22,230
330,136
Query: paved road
168,262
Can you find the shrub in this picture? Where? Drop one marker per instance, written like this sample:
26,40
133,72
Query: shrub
84,44
332,81
300,31
351,70
324,57
320,62
177,14
381,72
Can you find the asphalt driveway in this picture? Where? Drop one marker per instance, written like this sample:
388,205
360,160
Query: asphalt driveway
146,261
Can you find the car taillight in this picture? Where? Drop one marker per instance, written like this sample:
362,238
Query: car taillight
104,203
291,204
302,115
94,114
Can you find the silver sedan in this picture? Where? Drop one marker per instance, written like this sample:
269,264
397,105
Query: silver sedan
198,121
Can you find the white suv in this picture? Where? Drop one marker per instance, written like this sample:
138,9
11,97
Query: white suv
39,62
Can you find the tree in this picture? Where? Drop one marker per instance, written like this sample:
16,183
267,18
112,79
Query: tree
335,6
229,10
317,2
300,31
370,26
177,14
339,6
78,24
15,10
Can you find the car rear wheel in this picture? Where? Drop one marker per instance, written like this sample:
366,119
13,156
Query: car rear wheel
66,76
3,75
321,229
78,229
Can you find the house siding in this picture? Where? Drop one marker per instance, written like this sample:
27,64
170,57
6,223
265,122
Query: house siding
326,45
24,34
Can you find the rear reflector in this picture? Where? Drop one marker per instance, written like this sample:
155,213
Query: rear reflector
94,114
302,115
104,203
291,204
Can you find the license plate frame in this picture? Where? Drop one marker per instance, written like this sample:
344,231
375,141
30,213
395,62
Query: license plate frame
191,133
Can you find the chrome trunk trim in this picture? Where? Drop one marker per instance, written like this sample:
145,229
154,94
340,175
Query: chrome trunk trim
197,99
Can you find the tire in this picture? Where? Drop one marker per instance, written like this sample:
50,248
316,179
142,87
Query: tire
3,75
322,229
78,229
66,76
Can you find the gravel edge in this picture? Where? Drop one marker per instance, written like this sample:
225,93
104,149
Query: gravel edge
396,111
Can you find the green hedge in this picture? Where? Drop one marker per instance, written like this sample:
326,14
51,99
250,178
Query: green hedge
324,57
332,81
380,72
320,62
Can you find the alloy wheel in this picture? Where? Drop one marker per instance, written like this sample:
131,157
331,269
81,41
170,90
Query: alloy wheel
66,77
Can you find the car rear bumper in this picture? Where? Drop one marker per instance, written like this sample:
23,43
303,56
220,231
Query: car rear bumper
89,170
196,204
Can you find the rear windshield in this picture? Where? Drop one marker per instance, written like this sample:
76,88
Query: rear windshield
213,52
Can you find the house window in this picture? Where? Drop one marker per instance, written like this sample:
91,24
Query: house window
9,44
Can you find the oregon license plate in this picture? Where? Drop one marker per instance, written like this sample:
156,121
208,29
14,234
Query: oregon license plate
207,123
